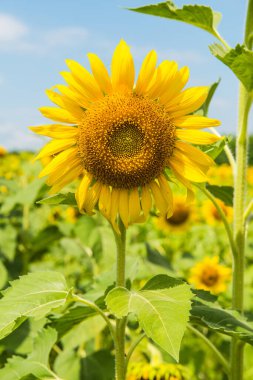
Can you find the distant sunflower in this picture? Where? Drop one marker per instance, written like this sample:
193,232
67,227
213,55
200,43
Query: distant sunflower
162,371
183,215
210,275
124,135
211,215
3,151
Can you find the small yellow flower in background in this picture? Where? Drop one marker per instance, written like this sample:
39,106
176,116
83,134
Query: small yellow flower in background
3,151
250,175
211,215
3,189
162,371
210,275
183,215
125,135
221,174
70,214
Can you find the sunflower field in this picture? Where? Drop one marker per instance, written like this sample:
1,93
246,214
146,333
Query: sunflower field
126,242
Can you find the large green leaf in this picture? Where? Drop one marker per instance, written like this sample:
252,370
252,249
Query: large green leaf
162,313
42,345
198,15
223,321
239,60
224,193
63,199
33,295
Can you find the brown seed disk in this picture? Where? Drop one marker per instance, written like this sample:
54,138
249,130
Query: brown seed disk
124,140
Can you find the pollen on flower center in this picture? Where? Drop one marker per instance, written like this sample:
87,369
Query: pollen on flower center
124,140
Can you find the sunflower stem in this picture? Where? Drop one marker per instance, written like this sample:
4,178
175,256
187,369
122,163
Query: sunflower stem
120,361
240,191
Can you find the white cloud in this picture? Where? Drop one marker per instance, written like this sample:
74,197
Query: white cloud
11,29
65,36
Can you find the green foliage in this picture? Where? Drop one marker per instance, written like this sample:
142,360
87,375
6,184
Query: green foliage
162,312
198,15
33,295
239,60
63,199
224,193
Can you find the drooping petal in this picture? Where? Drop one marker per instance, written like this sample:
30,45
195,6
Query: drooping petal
134,205
114,208
146,74
124,206
195,122
167,194
160,200
104,203
100,73
92,198
122,68
197,137
146,200
82,190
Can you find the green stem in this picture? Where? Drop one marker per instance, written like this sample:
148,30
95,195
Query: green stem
120,363
93,306
240,191
133,347
221,39
223,217
216,352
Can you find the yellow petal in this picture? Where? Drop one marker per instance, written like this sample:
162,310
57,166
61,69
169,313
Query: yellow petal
147,72
55,146
92,198
190,192
194,154
187,168
114,208
65,103
160,202
165,72
176,84
59,172
187,102
167,194
56,131
100,73
82,190
146,201
70,176
84,79
58,114
122,68
75,95
105,201
124,206
197,137
195,122
61,158
134,205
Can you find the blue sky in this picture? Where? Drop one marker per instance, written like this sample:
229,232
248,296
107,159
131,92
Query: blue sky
37,36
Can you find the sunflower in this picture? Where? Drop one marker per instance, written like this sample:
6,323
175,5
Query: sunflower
125,138
210,275
162,371
183,215
3,151
211,215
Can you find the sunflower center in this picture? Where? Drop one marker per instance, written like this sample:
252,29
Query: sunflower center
210,277
125,140
180,216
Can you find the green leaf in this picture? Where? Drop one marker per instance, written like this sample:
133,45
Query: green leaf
8,238
224,193
42,345
156,258
219,320
162,281
162,313
203,110
63,199
33,295
3,275
239,60
17,368
215,149
198,15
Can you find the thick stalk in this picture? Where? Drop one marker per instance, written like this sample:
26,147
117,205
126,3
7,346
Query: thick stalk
120,362
240,189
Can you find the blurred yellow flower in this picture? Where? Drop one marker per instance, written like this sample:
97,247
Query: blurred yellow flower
211,215
210,275
220,174
183,214
250,175
3,151
123,135
162,371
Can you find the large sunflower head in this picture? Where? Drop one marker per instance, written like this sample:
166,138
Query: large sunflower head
124,138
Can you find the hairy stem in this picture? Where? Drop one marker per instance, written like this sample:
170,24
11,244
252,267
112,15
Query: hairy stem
120,362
